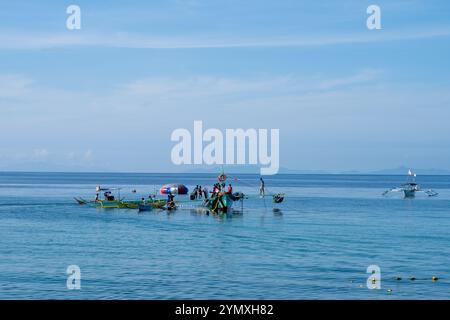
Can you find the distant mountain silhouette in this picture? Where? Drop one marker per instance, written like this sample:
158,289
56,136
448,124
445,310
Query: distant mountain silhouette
254,169
402,170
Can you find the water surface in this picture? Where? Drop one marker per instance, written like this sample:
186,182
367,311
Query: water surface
315,245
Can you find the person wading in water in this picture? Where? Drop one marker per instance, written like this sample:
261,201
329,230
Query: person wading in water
262,191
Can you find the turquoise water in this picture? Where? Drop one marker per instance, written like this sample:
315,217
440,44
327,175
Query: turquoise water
315,245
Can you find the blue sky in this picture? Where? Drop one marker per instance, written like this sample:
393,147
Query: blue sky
108,96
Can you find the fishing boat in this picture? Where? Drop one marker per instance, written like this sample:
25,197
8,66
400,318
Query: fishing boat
223,202
105,204
111,202
220,201
410,188
122,204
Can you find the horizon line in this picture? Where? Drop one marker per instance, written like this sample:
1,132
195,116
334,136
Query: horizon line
374,173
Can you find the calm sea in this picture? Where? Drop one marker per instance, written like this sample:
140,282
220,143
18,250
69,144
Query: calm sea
316,245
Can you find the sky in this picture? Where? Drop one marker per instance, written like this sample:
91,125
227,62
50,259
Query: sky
108,96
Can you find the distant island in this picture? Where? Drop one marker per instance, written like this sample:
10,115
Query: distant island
250,169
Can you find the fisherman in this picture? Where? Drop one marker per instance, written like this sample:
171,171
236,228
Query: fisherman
230,189
96,197
143,200
170,201
262,190
199,192
205,193
195,192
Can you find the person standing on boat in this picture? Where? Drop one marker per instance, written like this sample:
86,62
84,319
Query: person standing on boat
200,192
262,190
230,189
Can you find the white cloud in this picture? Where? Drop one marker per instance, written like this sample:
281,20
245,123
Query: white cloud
202,88
40,153
319,110
88,155
137,41
14,85
361,77
206,86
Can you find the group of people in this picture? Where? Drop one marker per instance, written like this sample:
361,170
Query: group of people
107,196
199,193
220,187
150,198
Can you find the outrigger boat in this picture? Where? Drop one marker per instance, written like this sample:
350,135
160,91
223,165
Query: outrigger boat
110,202
221,201
410,188
106,204
122,204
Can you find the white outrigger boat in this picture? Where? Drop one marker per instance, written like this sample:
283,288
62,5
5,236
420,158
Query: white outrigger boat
410,188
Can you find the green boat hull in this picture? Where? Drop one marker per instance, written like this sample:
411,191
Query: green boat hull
120,204
220,204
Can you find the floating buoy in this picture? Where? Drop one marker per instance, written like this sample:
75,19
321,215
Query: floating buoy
413,279
434,279
398,279
174,189
389,290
